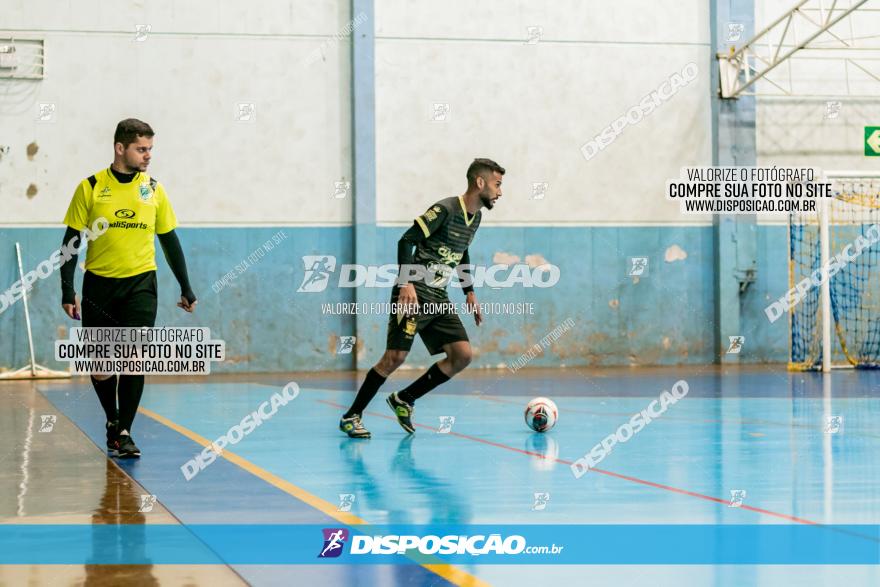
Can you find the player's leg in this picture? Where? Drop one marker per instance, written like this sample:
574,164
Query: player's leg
401,334
458,357
97,311
444,333
140,310
351,421
376,376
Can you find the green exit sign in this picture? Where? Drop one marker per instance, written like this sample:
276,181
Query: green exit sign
872,141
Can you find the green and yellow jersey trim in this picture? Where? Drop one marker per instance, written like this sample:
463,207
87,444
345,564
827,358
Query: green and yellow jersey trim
424,226
465,212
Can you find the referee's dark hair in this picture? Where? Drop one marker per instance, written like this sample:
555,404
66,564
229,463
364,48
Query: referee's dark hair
481,166
128,131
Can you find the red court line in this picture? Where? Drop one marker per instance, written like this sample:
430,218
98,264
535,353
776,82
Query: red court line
671,417
594,470
498,400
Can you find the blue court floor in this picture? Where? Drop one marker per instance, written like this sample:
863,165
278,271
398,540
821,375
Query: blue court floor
751,447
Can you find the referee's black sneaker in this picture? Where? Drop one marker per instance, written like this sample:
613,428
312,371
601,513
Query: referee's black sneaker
126,448
403,411
112,437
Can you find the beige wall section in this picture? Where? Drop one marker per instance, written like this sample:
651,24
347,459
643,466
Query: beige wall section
532,106
635,21
187,79
172,16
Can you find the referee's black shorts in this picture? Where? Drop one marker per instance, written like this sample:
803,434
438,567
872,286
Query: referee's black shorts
119,301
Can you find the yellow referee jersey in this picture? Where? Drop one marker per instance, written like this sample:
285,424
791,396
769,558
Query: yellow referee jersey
136,212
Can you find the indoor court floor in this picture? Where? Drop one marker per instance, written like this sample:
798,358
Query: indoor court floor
746,446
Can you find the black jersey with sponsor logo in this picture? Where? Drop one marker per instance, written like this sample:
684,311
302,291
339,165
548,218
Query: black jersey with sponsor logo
448,230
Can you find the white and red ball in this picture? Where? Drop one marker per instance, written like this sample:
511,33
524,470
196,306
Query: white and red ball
541,414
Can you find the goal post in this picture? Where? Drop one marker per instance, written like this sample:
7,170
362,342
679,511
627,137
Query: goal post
825,291
837,323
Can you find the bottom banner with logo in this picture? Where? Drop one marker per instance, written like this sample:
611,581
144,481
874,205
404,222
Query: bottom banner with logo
440,544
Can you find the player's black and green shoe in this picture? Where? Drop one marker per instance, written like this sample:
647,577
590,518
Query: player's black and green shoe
403,411
353,427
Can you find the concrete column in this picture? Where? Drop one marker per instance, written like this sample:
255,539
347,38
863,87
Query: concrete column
733,144
363,98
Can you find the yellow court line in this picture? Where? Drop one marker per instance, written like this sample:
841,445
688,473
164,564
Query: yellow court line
449,572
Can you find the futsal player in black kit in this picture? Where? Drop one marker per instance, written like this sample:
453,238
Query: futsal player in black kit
436,244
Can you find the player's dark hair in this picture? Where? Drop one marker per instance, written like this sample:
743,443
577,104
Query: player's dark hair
128,131
481,166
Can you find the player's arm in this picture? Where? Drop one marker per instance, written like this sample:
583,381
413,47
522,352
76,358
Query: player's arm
177,262
166,222
405,259
69,256
423,227
406,248
464,275
76,219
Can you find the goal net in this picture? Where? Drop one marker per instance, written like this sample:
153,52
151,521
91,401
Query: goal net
836,321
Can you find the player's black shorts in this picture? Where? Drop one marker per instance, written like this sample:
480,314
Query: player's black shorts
119,301
434,329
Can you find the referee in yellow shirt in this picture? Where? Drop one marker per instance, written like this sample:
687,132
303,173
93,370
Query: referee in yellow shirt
119,286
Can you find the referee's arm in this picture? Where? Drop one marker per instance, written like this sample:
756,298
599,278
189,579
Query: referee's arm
69,248
174,256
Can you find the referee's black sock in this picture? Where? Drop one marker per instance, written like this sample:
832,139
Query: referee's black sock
106,390
131,387
431,379
372,382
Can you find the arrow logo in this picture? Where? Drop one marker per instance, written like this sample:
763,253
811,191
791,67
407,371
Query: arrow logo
872,141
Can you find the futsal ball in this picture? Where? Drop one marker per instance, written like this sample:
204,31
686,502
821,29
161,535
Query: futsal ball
541,414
